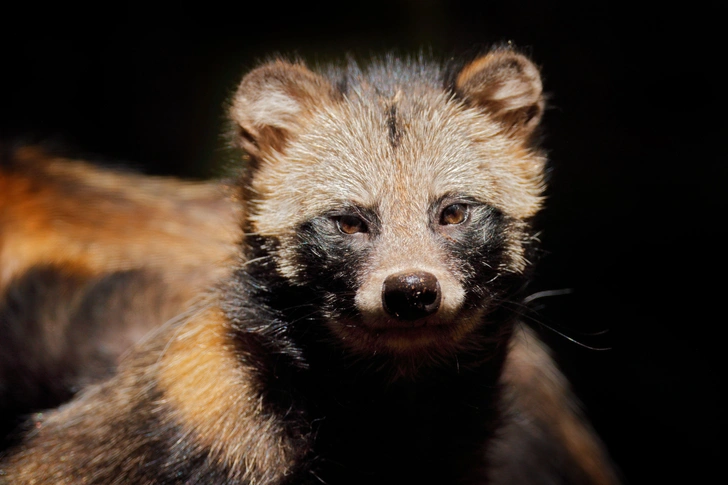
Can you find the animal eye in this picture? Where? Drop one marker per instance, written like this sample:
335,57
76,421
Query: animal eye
454,214
351,224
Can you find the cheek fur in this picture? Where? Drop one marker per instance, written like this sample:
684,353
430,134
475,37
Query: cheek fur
480,253
330,263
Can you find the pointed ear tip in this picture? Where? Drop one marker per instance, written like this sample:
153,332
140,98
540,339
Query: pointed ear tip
278,70
509,52
502,60
262,74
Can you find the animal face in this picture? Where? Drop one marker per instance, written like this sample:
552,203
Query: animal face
401,202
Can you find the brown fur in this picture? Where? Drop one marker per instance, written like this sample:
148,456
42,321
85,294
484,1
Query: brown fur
541,406
191,363
58,211
213,393
108,255
218,395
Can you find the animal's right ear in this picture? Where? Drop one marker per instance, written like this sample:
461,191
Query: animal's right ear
273,102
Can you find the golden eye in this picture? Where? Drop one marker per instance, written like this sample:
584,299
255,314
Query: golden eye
454,214
351,224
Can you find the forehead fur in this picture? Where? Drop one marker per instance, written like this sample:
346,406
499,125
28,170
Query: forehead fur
395,139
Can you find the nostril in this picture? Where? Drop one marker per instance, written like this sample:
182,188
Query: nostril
410,295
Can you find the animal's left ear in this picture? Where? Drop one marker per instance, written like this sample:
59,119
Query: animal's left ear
507,86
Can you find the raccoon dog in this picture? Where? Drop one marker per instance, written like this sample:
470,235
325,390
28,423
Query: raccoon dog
369,331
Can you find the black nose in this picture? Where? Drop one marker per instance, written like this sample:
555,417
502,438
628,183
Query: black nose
411,295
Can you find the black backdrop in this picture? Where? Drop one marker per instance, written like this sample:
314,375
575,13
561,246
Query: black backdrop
635,225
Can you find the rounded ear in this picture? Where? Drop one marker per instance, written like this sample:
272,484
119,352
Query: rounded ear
507,86
273,102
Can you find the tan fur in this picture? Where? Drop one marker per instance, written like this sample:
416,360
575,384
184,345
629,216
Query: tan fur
66,212
210,390
469,155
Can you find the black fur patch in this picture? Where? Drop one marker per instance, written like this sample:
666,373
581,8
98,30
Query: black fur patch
393,125
287,315
177,459
479,251
52,342
435,428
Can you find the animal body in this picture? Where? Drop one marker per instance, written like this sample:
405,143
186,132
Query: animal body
91,260
367,328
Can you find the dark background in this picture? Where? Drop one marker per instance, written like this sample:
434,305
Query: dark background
635,223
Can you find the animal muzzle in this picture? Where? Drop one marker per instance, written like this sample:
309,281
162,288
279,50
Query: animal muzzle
411,295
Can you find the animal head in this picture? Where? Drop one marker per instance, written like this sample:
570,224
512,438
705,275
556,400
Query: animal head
400,194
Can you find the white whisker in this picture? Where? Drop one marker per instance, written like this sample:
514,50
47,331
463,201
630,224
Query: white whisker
547,293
